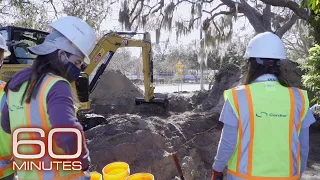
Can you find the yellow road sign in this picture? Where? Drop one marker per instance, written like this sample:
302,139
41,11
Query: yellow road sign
179,65
179,74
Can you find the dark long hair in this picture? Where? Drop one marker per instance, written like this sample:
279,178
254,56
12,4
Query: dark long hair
41,66
254,70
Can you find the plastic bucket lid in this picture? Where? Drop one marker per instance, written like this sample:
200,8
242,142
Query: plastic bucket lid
95,176
116,171
141,176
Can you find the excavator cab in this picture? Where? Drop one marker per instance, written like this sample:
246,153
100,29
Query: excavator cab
18,39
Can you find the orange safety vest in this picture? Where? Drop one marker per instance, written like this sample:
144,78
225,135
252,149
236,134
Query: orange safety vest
5,141
268,133
35,114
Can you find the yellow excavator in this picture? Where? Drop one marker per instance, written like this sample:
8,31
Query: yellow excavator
18,39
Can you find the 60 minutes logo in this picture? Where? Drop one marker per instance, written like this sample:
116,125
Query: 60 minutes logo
41,165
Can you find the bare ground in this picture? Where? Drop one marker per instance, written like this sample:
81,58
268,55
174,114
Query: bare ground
145,136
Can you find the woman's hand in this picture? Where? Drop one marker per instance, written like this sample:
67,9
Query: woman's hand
216,175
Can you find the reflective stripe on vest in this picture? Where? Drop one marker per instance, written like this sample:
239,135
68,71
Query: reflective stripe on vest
268,131
35,114
5,141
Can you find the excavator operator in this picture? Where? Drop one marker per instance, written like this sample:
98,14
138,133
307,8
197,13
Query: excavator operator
41,96
266,122
6,170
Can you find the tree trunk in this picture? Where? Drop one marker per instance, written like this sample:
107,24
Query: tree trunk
201,76
201,64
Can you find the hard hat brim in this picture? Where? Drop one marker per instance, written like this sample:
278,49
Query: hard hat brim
7,53
87,60
43,49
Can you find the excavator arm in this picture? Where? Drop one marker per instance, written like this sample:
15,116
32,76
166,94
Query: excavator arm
103,53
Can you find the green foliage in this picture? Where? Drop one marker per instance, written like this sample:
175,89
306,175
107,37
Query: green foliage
32,15
312,4
93,13
312,67
314,17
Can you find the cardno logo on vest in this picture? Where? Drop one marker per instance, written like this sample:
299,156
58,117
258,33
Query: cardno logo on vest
274,115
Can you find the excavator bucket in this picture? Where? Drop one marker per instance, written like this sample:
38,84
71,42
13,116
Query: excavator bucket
163,102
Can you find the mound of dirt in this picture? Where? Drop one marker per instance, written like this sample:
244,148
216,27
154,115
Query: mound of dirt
147,143
227,78
187,101
114,93
291,73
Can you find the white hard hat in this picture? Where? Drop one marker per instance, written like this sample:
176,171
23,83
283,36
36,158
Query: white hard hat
80,33
4,46
266,45
54,41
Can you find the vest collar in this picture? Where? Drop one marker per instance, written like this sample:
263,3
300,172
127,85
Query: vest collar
266,77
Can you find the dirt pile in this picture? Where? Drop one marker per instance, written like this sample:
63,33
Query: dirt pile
146,143
114,93
225,79
187,101
291,73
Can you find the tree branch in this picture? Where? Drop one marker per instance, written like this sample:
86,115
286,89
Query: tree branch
210,12
292,46
54,8
135,6
289,4
206,23
112,2
184,1
215,25
282,30
266,17
160,7
251,13
136,16
192,22
222,12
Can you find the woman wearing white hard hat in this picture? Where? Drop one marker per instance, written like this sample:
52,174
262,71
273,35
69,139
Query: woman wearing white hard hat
266,122
41,96
6,170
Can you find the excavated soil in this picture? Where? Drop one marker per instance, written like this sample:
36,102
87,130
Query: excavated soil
114,93
190,127
146,143
227,78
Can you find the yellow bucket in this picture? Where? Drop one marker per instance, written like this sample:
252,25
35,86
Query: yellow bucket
141,176
95,176
116,171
